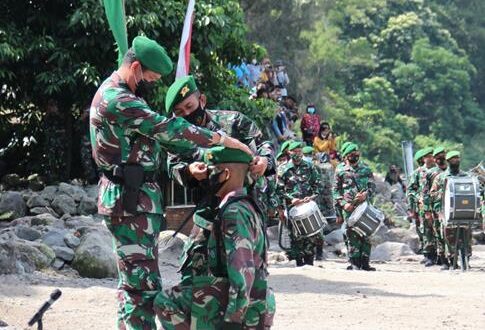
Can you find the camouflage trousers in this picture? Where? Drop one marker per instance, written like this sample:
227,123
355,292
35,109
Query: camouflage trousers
419,231
358,246
201,305
302,246
136,246
438,236
450,235
429,242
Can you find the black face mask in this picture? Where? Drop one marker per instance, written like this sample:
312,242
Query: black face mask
440,161
197,116
211,185
454,167
144,88
353,159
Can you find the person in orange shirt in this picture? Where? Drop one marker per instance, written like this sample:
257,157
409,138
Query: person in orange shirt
324,142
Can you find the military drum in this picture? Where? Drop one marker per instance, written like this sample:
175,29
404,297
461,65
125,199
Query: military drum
461,201
306,219
366,219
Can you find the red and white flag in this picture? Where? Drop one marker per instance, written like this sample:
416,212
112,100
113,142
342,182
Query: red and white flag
183,64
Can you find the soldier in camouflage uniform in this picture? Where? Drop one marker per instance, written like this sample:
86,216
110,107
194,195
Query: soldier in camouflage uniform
127,137
352,187
185,100
432,207
429,244
412,195
437,192
299,180
224,283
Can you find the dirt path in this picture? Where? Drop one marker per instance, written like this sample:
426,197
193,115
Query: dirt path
401,295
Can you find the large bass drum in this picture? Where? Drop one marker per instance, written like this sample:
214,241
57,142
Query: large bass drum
461,201
366,219
306,219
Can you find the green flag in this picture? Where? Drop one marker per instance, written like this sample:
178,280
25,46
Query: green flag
115,12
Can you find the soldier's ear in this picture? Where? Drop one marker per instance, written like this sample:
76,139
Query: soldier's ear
203,100
228,174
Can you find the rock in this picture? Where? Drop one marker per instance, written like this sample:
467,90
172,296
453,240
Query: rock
94,256
479,236
77,193
45,219
36,183
8,257
170,249
383,188
39,254
277,258
92,191
79,221
25,221
3,324
58,264
334,237
37,201
27,233
12,201
72,241
12,180
41,210
63,204
55,237
87,206
49,193
389,251
63,253
397,193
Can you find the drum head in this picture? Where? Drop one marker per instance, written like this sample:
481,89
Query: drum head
447,201
357,214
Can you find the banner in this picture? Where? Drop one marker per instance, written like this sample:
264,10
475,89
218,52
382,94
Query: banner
183,64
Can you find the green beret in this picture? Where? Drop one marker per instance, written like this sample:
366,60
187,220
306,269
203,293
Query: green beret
451,154
151,55
220,155
351,147
438,150
344,145
307,150
294,145
181,89
427,151
418,155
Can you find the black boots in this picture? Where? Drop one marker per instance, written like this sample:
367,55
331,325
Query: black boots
365,265
445,264
355,264
307,260
319,254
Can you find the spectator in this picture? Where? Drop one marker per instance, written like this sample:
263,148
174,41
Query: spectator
280,126
393,176
254,72
325,142
290,108
282,77
310,124
267,76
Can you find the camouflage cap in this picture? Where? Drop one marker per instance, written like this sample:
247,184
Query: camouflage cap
344,145
294,145
181,89
284,146
151,55
220,155
427,151
452,153
438,150
351,147
307,150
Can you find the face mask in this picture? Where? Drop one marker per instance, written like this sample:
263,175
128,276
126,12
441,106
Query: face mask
296,157
143,88
353,159
211,185
440,161
197,116
311,110
254,62
454,167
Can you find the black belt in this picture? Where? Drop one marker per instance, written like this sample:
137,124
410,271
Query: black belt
149,176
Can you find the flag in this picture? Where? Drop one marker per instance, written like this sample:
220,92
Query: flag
115,12
183,64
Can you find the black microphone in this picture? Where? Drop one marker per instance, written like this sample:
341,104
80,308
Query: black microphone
38,316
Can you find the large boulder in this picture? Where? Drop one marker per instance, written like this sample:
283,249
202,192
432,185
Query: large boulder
63,253
170,248
55,237
390,251
334,237
39,254
27,233
49,193
8,257
94,256
80,221
45,219
12,203
37,201
92,191
64,204
87,206
76,192
42,210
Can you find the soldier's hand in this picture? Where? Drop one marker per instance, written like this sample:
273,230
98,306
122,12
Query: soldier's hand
348,207
230,142
428,216
258,165
361,196
339,221
296,201
198,170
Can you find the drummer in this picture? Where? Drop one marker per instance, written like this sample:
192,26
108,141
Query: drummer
298,181
352,186
437,190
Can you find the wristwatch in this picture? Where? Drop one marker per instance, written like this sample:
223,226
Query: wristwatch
223,137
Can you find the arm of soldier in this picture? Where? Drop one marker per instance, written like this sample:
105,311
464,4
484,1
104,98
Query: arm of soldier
337,191
178,169
436,193
239,248
427,199
266,149
411,192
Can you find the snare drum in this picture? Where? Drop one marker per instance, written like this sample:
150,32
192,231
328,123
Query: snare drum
306,219
461,202
366,219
